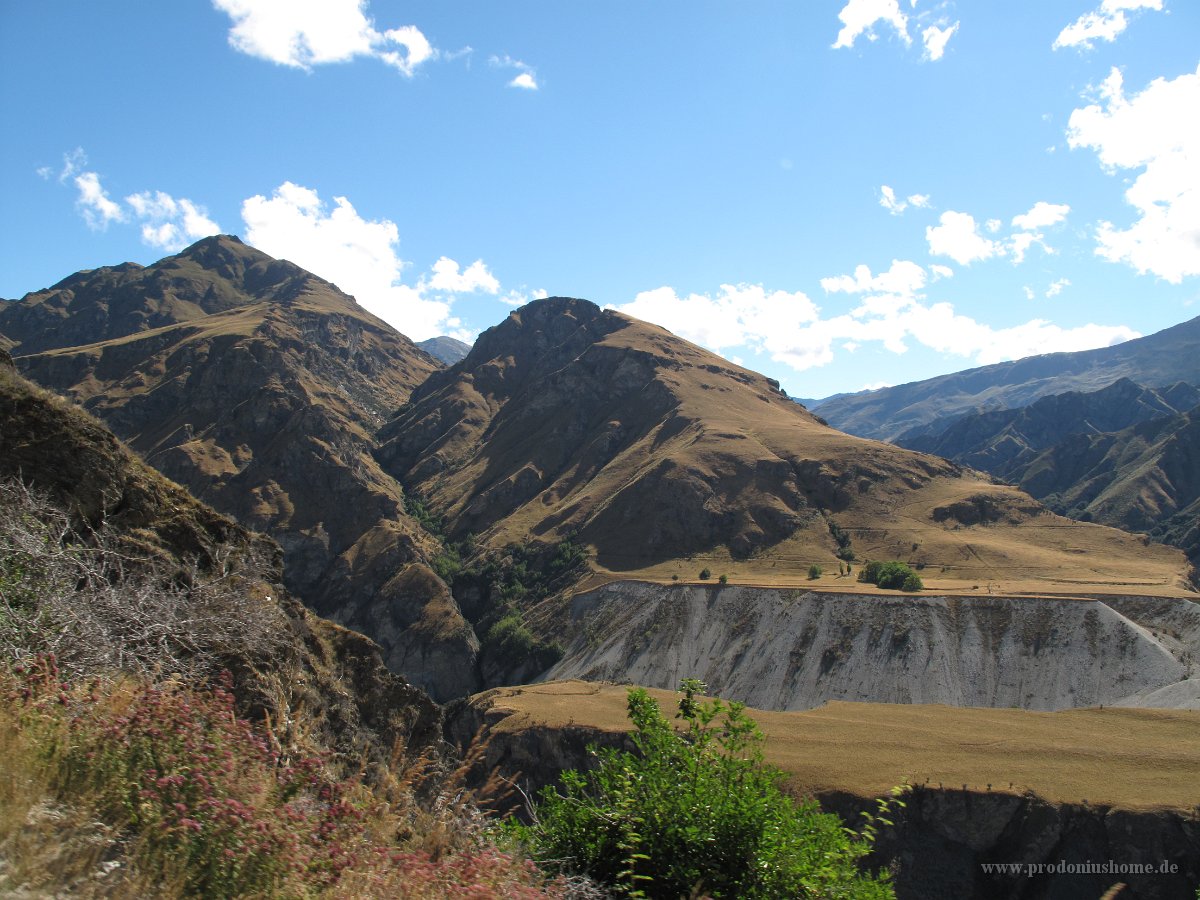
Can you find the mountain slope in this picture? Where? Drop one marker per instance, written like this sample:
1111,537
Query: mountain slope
446,349
1003,442
319,681
262,398
1143,478
570,420
1156,360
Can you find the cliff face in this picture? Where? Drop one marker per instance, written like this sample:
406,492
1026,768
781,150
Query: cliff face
776,649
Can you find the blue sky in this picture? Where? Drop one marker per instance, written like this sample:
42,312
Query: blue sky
839,194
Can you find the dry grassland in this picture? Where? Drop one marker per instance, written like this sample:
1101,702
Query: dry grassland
1132,759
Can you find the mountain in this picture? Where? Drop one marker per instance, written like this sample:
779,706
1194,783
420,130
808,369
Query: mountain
446,349
1157,360
1145,478
568,421
1003,442
319,682
1124,456
259,386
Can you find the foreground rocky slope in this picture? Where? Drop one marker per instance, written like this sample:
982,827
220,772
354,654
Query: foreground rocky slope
259,386
1157,360
792,649
318,682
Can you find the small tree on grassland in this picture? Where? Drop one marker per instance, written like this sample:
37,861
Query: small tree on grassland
696,813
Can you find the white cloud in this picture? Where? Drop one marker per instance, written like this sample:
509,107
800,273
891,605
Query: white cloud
526,78
940,272
168,223
739,315
307,33
1019,244
1056,287
958,237
935,40
889,201
993,225
1042,215
858,17
891,312
94,204
359,255
1030,293
475,278
1152,131
904,278
1101,24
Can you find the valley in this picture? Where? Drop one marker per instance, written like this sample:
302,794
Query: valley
584,500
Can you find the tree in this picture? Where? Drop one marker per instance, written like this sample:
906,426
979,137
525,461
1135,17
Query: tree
893,575
705,574
814,572
724,579
696,812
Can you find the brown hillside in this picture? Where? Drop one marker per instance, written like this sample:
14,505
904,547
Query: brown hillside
262,396
568,419
320,682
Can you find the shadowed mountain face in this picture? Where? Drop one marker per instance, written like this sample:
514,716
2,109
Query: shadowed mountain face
1003,442
1144,478
1159,359
1125,456
261,393
571,420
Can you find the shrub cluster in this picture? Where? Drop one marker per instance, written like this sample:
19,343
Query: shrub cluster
892,575
695,813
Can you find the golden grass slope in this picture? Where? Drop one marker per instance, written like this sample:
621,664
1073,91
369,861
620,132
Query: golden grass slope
1132,759
663,457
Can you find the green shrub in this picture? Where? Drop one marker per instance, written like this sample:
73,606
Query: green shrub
814,572
724,579
705,574
890,575
696,813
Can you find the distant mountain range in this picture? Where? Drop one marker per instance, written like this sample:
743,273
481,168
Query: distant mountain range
1125,456
1157,360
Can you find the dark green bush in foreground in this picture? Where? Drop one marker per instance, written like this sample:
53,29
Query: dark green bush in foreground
696,813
